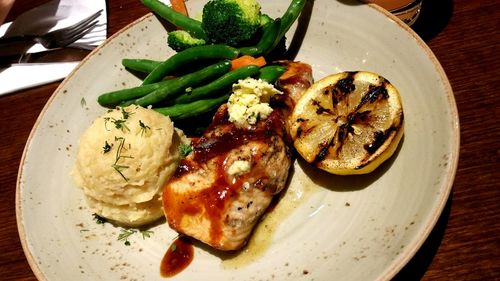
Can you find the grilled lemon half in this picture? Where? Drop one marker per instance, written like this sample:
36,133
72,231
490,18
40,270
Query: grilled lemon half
348,123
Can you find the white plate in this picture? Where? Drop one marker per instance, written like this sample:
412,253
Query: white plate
326,228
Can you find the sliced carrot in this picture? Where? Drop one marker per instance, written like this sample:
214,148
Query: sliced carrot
179,6
247,60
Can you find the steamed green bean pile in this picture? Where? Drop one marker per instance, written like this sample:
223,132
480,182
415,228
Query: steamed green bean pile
170,91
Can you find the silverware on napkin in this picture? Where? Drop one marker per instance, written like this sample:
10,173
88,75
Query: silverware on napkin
57,14
52,15
59,38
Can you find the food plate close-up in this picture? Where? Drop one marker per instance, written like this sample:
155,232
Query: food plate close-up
324,227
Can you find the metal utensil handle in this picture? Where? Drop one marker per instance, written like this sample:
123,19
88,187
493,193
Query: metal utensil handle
16,44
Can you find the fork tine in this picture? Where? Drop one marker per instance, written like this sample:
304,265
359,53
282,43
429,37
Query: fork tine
77,31
63,37
77,35
85,21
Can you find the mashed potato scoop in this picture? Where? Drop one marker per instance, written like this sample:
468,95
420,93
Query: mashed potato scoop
122,162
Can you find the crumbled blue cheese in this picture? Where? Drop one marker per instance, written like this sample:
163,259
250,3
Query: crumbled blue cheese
249,101
238,167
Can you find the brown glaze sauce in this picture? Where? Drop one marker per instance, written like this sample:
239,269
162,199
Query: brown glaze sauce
215,144
178,256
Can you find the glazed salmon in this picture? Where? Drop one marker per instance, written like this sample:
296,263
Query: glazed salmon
221,190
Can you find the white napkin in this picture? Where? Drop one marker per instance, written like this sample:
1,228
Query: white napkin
53,15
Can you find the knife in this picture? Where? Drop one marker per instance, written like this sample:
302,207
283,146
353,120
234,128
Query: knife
14,46
58,55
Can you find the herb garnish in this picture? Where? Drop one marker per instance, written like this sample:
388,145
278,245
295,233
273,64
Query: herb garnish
119,169
125,234
144,127
173,247
120,124
83,102
98,219
126,114
107,147
185,149
119,156
146,233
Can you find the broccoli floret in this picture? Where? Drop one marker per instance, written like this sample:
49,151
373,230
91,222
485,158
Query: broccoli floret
231,21
180,40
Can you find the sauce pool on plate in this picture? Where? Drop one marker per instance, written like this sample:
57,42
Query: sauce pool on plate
178,256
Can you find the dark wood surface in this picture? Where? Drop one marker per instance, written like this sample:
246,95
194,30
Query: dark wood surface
464,245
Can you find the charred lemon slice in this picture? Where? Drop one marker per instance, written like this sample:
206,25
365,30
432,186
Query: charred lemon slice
348,123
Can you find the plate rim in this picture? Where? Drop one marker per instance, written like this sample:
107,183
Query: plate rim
397,264
402,259
20,225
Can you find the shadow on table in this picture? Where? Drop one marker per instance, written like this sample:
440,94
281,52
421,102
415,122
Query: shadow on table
418,265
434,16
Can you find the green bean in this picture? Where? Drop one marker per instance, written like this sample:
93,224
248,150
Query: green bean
184,22
271,73
141,65
112,99
177,85
265,19
266,42
188,56
289,17
186,110
217,86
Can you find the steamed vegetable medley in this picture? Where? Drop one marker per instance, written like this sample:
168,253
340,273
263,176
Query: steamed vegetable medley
234,40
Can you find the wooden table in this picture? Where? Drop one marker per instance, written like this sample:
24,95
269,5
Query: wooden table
464,245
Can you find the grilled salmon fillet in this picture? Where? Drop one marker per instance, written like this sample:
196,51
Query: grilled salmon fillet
221,190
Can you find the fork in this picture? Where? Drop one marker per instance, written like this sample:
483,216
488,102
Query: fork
55,39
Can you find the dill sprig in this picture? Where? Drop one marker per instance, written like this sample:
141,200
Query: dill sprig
120,124
119,168
144,127
125,235
146,233
126,114
107,147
